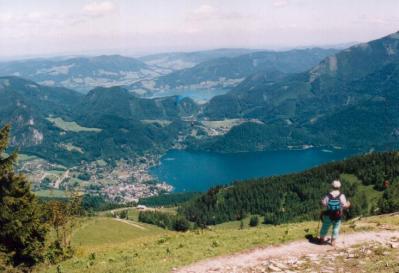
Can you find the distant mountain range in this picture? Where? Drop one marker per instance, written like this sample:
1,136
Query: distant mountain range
82,73
85,73
227,72
350,99
144,76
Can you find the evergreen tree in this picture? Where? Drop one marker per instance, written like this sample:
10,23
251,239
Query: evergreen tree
22,231
6,162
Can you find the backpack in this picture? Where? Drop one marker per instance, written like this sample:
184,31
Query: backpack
334,208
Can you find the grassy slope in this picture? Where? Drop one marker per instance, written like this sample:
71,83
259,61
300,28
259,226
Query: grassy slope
71,126
120,247
100,231
369,192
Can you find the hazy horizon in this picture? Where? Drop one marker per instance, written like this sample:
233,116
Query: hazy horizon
127,53
46,28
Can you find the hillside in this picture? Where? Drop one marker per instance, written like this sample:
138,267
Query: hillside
296,197
44,118
82,73
130,125
347,100
125,247
227,72
26,105
233,244
118,102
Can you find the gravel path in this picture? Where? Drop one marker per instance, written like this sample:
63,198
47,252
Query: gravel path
240,261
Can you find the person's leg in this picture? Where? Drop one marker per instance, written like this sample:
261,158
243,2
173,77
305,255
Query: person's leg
324,228
335,232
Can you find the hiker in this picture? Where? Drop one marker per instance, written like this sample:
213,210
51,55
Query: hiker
335,202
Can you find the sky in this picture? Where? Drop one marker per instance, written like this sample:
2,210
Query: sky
137,27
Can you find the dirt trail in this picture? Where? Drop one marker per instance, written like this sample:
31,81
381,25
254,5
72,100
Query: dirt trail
129,223
240,261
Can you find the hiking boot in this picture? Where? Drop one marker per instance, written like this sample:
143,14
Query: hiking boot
321,241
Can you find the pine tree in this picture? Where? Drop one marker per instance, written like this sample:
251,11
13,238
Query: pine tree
22,232
6,162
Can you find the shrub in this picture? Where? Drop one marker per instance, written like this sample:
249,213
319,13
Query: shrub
390,199
254,221
123,214
181,224
241,224
272,219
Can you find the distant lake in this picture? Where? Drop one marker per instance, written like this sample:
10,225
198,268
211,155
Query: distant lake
198,171
195,94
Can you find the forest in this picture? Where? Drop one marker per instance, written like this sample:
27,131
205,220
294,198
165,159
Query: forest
373,188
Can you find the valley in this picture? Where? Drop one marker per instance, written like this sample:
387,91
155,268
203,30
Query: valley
108,140
105,142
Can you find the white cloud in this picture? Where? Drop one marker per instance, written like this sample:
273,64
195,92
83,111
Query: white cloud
99,9
205,10
208,12
280,3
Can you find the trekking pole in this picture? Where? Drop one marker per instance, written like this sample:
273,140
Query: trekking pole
343,233
318,224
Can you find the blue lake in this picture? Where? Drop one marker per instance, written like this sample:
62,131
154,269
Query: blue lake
198,171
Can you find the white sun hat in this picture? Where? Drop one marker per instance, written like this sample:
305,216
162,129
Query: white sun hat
336,184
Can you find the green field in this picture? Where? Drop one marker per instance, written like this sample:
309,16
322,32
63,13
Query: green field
25,157
104,245
367,192
161,122
71,126
100,231
51,193
70,147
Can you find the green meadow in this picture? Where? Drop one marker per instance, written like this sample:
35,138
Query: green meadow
107,245
71,126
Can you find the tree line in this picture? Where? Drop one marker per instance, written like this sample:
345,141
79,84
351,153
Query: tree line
164,220
168,199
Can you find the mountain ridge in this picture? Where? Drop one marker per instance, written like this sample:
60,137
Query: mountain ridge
300,103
